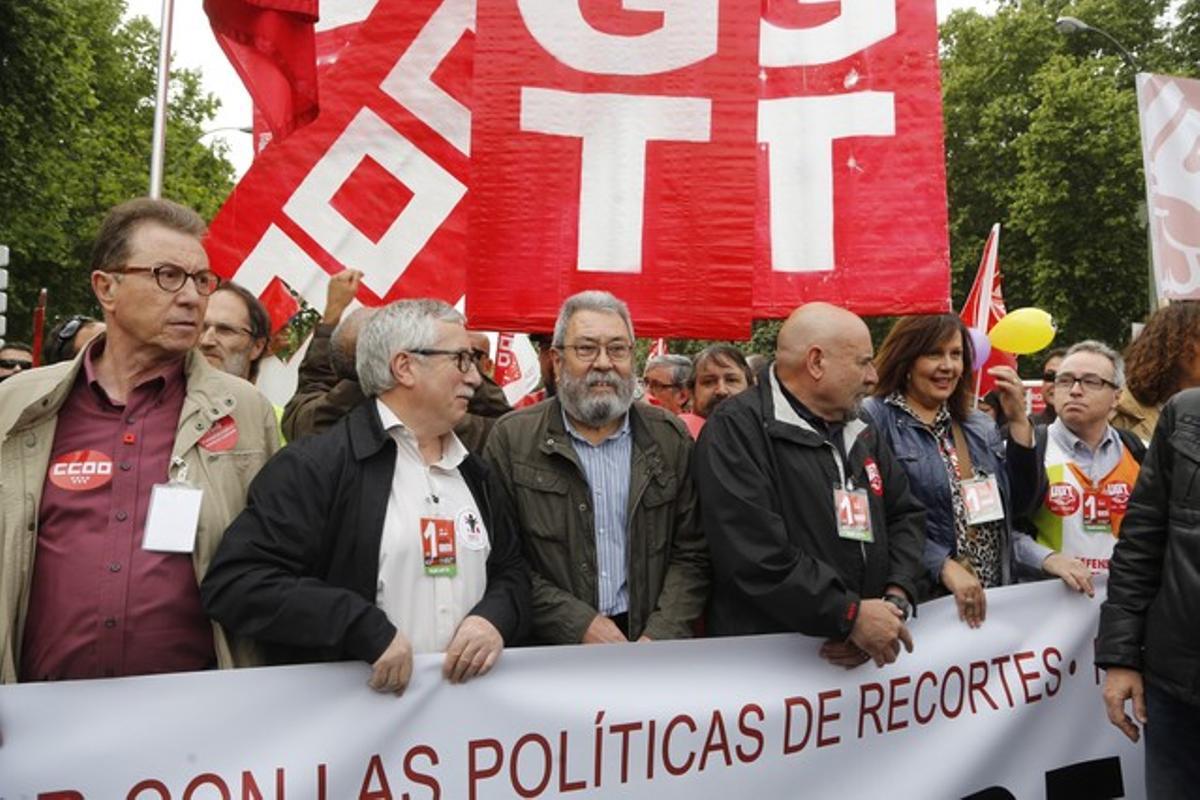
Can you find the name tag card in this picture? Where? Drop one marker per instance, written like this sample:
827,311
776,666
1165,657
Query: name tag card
981,496
173,518
1097,512
437,542
853,514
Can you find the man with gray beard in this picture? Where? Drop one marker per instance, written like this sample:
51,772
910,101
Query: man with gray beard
603,492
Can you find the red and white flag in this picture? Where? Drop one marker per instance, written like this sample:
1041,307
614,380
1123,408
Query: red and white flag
517,371
1170,120
271,44
658,348
984,307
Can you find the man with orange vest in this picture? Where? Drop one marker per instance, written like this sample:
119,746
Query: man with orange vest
1091,467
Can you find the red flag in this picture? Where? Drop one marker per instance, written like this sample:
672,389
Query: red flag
271,44
658,348
281,306
984,307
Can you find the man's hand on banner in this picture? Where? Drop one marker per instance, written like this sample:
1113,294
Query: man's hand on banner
1074,573
340,294
843,654
879,630
392,670
603,630
1121,684
473,651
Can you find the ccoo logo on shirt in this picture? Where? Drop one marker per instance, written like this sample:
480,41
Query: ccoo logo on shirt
81,471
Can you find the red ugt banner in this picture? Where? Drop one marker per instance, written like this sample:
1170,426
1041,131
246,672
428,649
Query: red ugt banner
377,181
852,184
614,149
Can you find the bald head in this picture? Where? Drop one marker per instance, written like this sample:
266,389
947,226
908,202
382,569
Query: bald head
344,341
823,357
817,324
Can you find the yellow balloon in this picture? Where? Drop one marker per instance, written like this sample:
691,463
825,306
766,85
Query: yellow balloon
1025,330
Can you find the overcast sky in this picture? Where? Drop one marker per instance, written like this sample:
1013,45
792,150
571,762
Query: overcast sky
193,46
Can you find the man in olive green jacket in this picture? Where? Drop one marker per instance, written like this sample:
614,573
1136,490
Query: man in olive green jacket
603,491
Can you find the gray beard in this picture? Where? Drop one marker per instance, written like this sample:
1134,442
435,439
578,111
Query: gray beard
592,410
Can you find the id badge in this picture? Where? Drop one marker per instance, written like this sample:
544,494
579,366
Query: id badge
1097,512
853,514
981,496
173,518
437,543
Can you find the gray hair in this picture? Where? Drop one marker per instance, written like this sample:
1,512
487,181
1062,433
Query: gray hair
403,325
680,366
1101,349
591,300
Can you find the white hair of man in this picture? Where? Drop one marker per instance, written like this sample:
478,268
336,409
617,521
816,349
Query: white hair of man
405,325
591,300
680,366
1101,349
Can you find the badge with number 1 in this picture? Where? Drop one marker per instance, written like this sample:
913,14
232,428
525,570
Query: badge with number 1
437,542
853,514
981,496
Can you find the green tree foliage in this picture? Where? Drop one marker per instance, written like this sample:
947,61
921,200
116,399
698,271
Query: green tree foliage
1042,136
76,115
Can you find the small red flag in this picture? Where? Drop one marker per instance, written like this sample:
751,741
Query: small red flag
272,45
984,307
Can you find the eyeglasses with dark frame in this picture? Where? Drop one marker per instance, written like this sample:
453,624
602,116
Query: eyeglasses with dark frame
15,363
464,359
659,386
172,277
1092,383
618,352
224,331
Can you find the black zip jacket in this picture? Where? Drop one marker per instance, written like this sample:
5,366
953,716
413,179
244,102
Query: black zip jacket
1148,622
765,479
298,568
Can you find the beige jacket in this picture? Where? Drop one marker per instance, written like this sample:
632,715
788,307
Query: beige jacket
29,404
1134,417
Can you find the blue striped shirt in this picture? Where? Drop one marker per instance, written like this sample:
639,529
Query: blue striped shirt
607,467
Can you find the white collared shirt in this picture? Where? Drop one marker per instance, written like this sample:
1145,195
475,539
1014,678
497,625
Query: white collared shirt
428,609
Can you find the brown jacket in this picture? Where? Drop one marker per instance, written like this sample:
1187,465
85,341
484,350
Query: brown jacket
29,405
668,569
1134,417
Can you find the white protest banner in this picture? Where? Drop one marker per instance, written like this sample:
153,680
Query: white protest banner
1011,710
1170,120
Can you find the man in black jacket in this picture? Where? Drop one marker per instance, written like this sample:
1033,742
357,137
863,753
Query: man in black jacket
809,518
1149,644
382,536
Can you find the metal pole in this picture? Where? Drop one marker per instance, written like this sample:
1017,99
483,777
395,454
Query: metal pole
158,145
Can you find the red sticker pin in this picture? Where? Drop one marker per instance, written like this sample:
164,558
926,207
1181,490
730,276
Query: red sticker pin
874,478
1062,499
81,471
222,436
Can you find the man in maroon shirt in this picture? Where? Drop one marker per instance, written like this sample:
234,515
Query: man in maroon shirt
94,581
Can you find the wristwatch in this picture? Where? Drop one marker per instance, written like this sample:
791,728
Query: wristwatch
900,603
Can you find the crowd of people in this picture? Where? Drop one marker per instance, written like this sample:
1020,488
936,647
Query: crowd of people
160,515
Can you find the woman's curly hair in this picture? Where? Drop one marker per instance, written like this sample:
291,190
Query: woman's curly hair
1154,361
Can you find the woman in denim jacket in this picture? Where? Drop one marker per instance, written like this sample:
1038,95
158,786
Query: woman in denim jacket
924,406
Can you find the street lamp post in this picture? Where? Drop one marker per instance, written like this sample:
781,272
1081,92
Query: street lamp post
1072,25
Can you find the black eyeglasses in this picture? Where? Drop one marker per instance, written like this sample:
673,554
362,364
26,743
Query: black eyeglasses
1092,383
172,277
659,386
617,351
15,363
463,359
71,327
